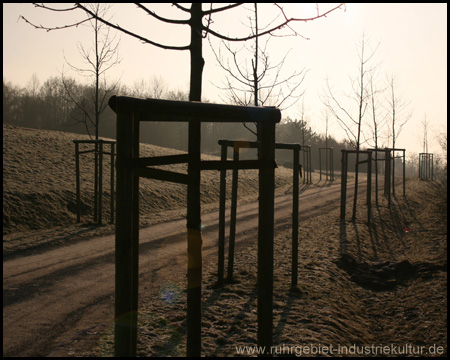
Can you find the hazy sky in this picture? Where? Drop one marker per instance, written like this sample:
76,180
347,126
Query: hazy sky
412,38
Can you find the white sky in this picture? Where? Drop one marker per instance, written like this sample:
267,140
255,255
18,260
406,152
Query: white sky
413,46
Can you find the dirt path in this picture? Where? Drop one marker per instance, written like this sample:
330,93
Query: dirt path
66,291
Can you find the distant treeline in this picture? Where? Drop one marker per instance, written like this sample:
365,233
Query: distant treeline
49,107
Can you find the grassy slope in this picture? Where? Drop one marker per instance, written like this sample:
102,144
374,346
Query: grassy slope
39,182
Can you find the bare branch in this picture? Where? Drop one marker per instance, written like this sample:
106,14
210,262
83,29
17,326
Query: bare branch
144,40
277,27
223,8
178,6
41,27
336,102
156,16
397,107
94,16
42,6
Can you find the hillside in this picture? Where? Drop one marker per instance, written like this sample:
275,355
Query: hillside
39,188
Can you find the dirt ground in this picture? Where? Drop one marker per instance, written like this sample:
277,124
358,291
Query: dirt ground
378,290
385,295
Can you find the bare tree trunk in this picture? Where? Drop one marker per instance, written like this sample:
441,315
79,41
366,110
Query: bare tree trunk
255,73
97,120
361,101
197,61
194,276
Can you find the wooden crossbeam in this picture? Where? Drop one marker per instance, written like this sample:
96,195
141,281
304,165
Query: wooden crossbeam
182,111
160,160
164,175
230,165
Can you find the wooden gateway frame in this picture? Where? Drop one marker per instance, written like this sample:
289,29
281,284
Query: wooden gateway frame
426,166
389,168
389,157
98,182
403,168
344,171
307,170
329,167
236,145
130,111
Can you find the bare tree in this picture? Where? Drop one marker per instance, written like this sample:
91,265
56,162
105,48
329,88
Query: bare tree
398,109
400,117
11,103
155,88
425,130
257,85
33,85
101,57
376,123
442,139
326,115
350,122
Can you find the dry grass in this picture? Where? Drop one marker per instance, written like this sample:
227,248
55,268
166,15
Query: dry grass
39,198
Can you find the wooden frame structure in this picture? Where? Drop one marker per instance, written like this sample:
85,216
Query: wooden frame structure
389,157
130,111
330,169
426,166
236,145
344,181
393,170
307,173
98,186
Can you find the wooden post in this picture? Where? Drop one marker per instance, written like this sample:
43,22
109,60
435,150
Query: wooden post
234,190
95,181
309,165
295,182
388,177
127,237
77,179
223,191
343,183
112,183
100,183
265,235
420,163
432,166
393,172
194,239
304,162
404,179
135,232
332,164
320,164
386,172
369,187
